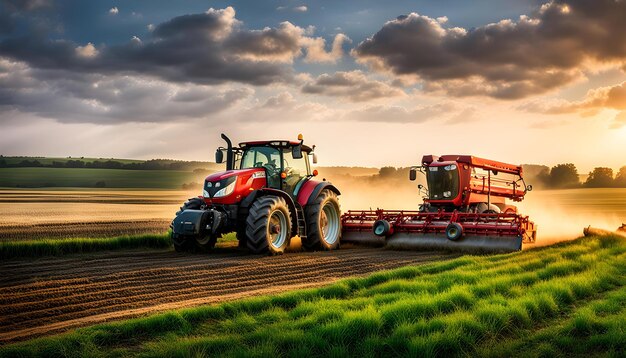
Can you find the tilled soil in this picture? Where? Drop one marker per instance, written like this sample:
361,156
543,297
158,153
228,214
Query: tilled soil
97,229
50,295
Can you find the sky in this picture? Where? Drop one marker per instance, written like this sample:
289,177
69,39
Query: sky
370,83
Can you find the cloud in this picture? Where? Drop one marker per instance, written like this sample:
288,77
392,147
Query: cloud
508,59
353,85
301,8
207,48
94,98
596,100
114,11
316,48
88,51
283,107
619,121
611,97
398,114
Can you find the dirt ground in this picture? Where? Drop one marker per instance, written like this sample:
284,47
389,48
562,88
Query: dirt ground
50,295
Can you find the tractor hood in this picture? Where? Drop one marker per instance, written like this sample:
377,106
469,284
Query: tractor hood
229,173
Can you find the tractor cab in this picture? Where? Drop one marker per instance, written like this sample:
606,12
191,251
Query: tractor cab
286,163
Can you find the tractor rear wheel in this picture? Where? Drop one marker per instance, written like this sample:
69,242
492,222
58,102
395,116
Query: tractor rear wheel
323,222
182,244
268,227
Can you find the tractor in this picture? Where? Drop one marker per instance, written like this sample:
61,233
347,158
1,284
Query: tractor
464,209
267,196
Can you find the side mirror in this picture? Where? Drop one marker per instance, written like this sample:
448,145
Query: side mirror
314,158
219,156
413,174
296,152
529,188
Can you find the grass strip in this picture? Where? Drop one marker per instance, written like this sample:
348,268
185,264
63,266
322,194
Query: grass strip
57,247
567,297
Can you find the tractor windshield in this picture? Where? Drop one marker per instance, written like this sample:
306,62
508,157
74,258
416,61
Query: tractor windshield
264,157
443,182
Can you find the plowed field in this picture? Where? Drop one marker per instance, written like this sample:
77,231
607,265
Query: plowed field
49,295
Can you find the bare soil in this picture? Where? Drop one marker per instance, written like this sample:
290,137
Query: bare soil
51,295
96,229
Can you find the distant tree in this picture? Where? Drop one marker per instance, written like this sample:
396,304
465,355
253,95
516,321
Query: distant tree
3,163
620,178
112,164
75,164
537,175
600,177
57,164
386,172
564,176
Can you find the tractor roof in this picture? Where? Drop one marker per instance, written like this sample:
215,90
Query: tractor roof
477,162
278,143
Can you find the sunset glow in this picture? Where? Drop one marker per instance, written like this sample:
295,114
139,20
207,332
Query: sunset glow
370,76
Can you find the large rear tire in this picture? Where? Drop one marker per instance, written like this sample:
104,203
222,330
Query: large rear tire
323,222
268,227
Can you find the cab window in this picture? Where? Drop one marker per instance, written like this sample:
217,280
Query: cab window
295,167
267,158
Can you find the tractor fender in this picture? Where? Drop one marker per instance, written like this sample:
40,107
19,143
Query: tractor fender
312,189
253,196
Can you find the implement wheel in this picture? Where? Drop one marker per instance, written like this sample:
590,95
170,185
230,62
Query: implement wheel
454,231
323,222
268,227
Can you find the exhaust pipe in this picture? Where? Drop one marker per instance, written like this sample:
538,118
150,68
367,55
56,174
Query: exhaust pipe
230,163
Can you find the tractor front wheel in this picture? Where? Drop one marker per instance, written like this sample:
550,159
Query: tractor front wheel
323,222
181,243
268,227
205,242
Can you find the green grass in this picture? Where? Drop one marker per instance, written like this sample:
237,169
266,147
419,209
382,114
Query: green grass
565,300
49,160
57,247
83,177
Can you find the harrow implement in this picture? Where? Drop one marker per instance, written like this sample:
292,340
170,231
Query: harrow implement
457,231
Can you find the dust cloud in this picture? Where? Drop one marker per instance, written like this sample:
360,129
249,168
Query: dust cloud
560,215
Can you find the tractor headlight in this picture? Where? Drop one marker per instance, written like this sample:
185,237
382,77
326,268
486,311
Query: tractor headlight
227,190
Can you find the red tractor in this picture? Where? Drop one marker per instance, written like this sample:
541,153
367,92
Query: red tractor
267,196
464,209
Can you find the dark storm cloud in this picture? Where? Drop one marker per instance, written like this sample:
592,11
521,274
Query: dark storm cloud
354,86
508,59
207,48
94,98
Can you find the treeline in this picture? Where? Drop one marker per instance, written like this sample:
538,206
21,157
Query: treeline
561,176
566,176
153,164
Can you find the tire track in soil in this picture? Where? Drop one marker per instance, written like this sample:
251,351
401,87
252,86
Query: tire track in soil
51,295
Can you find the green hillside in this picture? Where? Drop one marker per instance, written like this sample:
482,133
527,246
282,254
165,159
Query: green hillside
83,177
